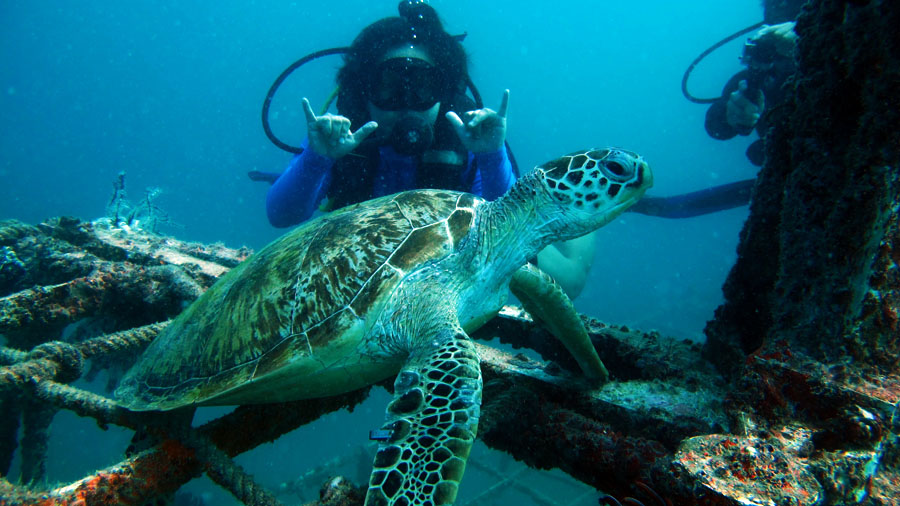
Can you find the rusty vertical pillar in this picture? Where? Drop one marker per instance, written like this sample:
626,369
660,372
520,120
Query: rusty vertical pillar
817,269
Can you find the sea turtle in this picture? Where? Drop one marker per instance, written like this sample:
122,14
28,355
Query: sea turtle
389,287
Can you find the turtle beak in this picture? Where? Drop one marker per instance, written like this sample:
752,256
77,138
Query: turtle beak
644,175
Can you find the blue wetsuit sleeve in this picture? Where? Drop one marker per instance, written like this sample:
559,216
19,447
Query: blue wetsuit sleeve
494,175
293,197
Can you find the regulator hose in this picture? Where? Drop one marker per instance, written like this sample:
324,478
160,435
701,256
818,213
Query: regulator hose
704,54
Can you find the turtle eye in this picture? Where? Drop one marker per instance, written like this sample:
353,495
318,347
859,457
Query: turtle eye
617,171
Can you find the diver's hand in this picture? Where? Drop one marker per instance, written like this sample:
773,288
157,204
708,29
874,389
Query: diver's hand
742,111
782,36
330,135
484,130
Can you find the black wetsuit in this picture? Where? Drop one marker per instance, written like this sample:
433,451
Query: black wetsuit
769,82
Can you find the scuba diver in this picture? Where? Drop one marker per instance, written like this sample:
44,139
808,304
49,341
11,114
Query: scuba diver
404,80
403,88
768,56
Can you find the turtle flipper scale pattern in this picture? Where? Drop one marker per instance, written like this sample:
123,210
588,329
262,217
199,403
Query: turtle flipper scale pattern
433,420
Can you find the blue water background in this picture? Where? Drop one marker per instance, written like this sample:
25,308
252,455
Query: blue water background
170,93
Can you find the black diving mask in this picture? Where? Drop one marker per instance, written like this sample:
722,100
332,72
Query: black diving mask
409,84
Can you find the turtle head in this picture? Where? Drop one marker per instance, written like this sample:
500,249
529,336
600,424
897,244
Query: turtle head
590,188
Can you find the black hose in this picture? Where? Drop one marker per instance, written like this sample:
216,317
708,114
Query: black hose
306,59
688,205
479,104
704,54
274,88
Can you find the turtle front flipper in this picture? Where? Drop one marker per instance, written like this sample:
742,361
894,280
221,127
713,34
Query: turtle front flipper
543,298
432,423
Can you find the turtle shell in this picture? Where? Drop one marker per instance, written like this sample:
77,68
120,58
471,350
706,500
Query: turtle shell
288,322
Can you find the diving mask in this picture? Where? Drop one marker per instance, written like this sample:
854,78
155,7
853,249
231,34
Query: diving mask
405,84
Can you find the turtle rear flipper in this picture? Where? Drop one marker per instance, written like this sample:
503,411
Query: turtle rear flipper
432,420
545,300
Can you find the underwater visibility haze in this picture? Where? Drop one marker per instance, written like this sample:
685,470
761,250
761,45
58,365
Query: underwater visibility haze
170,94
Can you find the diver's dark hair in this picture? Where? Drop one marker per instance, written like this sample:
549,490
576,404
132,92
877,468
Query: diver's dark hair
418,26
